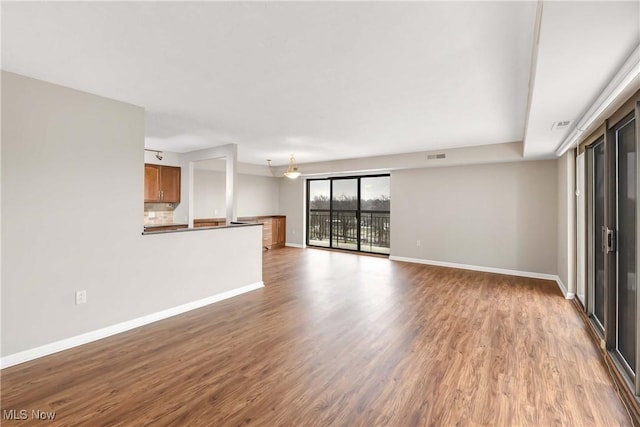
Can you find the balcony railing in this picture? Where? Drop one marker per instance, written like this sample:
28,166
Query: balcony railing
340,230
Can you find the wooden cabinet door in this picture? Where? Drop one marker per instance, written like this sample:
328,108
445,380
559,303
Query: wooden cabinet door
279,231
282,231
267,232
170,184
151,183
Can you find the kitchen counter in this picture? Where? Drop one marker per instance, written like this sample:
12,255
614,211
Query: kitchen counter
164,227
183,228
273,227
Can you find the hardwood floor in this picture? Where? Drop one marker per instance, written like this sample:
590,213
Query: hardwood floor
339,339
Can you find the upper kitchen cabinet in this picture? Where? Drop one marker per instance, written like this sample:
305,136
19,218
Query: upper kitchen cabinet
161,184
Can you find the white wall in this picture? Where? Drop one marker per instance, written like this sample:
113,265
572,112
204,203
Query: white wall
208,194
292,204
499,215
566,263
257,195
483,154
72,189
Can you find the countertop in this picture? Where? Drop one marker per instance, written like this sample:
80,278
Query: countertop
173,224
183,230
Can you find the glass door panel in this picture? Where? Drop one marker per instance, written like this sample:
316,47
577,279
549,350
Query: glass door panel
344,214
581,241
598,224
626,251
318,221
375,214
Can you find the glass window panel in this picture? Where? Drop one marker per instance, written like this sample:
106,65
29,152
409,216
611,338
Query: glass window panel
344,220
345,194
319,194
319,224
375,202
598,222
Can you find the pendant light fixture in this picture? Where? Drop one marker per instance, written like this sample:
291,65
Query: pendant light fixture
292,171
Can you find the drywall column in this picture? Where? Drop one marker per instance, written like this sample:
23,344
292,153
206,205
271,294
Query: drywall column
232,180
581,228
567,222
230,153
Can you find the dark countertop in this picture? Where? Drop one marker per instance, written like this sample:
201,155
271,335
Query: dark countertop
182,230
173,224
242,218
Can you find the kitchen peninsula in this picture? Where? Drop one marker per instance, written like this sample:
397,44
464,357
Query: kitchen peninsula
274,234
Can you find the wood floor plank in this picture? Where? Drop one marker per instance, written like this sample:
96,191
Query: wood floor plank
339,339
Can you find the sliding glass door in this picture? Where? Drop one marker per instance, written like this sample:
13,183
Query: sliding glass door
344,213
374,214
351,213
612,234
318,213
597,225
626,326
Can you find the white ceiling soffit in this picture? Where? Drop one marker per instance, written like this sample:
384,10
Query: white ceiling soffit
323,80
582,46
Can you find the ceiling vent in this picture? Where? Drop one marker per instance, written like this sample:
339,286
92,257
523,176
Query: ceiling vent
561,125
436,156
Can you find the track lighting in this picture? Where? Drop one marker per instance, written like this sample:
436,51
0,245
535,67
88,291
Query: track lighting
159,155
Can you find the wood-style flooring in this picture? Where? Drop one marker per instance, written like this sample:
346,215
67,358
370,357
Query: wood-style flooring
338,339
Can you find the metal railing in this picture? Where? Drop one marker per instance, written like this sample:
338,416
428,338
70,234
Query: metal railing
340,229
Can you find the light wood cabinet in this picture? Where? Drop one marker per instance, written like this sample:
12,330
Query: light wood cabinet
279,231
161,184
274,228
209,222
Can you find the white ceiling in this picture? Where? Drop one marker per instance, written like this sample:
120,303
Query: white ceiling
582,45
329,80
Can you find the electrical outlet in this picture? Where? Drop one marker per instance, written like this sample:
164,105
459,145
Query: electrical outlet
81,297
603,344
418,243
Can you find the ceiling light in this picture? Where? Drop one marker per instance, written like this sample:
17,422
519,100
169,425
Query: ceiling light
292,171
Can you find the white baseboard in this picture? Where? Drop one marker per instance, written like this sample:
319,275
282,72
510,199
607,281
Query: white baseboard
563,288
294,245
518,273
67,343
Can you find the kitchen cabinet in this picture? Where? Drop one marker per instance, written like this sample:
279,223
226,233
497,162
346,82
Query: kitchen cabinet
209,222
161,184
274,228
279,231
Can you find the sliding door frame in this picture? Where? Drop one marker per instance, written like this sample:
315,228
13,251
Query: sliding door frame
637,183
609,331
599,324
331,210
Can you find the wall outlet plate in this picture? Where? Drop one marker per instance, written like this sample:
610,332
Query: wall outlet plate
81,297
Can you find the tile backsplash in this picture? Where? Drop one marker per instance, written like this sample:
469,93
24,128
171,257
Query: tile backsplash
158,213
